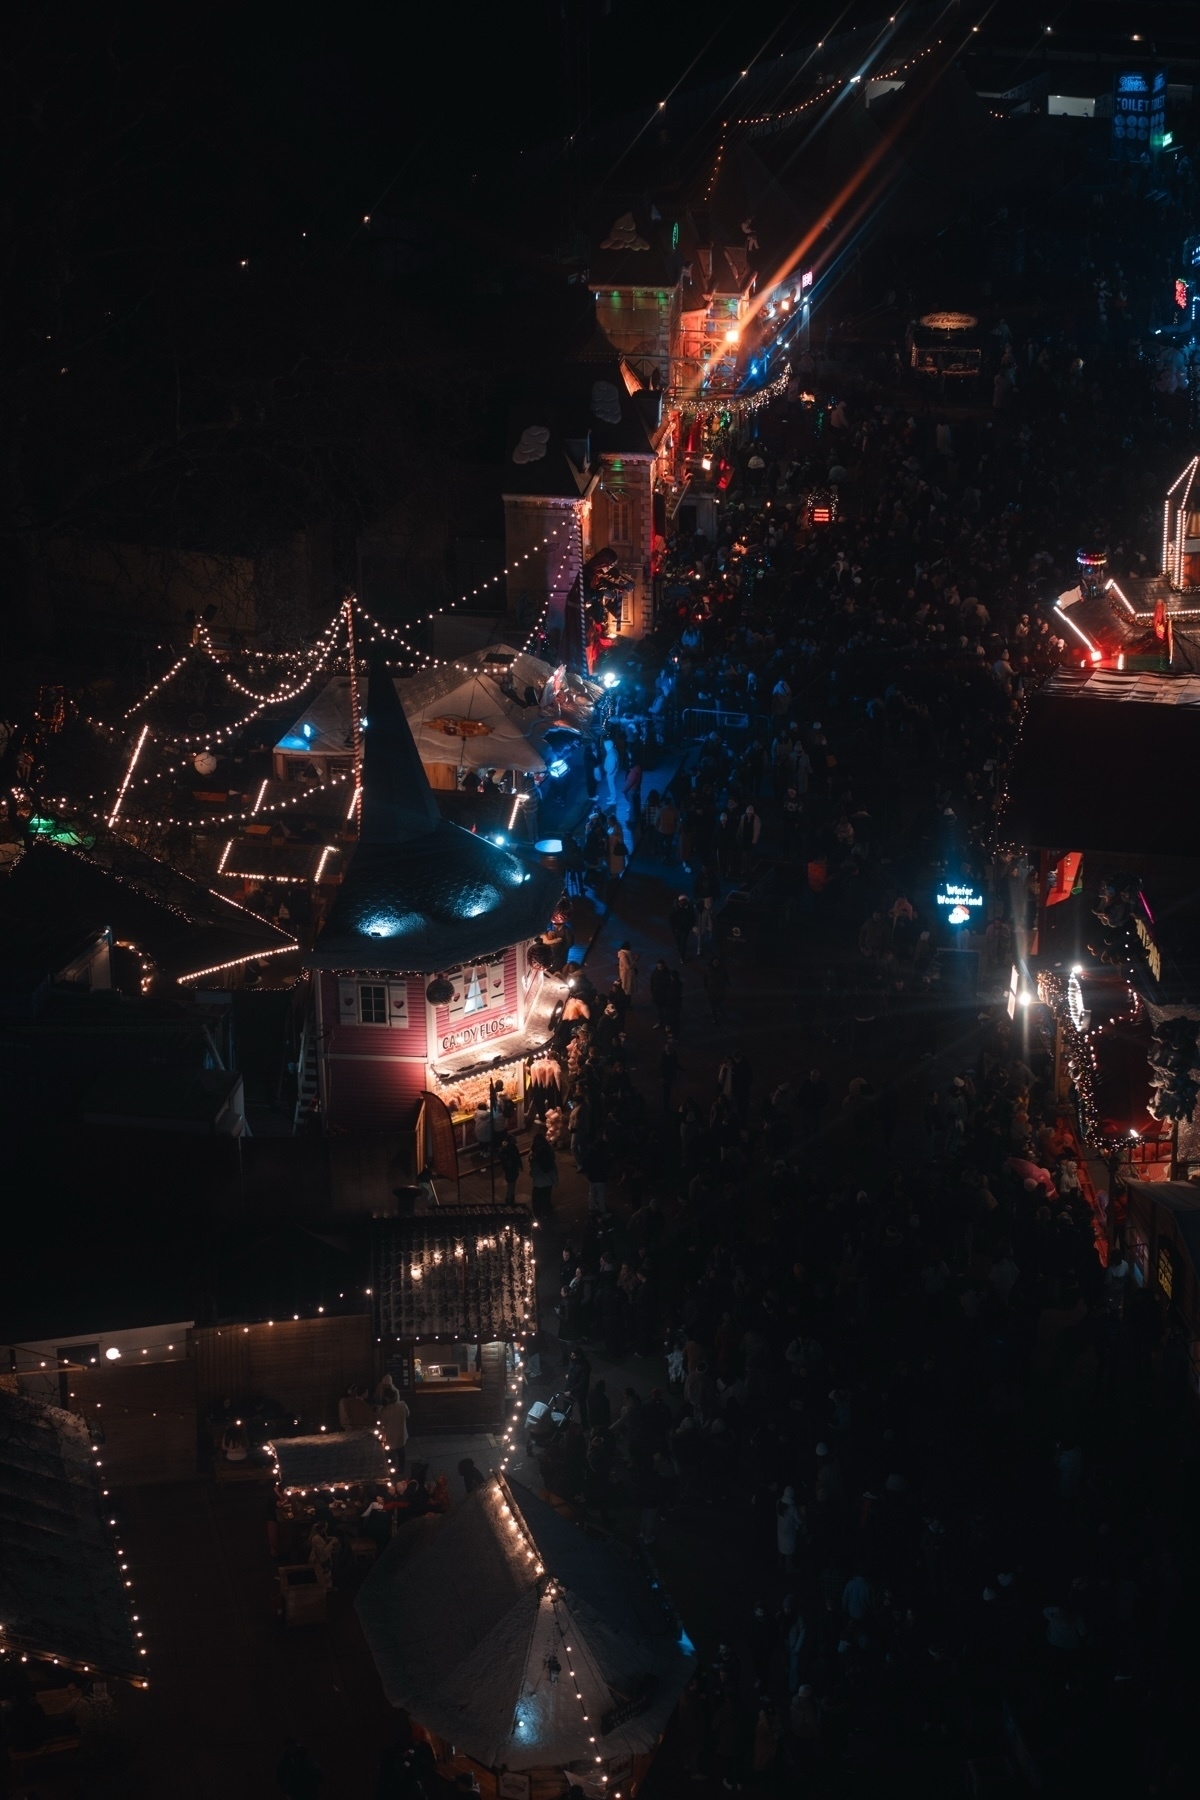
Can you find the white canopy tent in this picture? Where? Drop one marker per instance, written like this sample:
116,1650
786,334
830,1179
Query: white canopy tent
512,1635
493,717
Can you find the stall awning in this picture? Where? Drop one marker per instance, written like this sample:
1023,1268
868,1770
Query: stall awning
331,1459
61,1590
469,1277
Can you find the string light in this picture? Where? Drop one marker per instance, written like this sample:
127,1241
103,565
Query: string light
233,818
236,962
160,683
741,404
124,787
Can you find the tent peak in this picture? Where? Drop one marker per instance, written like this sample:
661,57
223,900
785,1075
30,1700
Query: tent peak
397,800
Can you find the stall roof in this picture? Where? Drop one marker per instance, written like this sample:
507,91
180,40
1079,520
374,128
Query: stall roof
330,1458
61,1590
184,926
476,726
421,894
510,740
463,1615
468,1276
1099,762
1182,1200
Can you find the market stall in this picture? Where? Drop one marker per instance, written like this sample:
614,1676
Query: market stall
64,1586
428,974
492,712
535,1658
454,1305
1162,1236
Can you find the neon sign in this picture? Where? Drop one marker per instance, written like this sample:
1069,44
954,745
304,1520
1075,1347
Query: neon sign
960,900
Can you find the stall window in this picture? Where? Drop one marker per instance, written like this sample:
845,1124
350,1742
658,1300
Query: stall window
372,1003
1166,1270
1139,1257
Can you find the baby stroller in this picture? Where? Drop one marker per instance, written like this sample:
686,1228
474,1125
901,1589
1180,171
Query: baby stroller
546,1421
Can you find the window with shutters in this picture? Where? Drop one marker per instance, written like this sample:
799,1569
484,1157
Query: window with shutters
372,1003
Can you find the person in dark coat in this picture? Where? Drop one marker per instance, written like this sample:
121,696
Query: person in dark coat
681,919
473,1478
509,1157
716,987
600,1407
660,992
579,1376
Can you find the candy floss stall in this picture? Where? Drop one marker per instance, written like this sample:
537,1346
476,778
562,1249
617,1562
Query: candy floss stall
430,974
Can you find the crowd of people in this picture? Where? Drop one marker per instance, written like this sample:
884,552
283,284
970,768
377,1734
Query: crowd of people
903,1366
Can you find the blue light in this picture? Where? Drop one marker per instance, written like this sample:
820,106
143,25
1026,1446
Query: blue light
559,767
362,725
498,837
389,924
685,1643
609,680
307,729
476,901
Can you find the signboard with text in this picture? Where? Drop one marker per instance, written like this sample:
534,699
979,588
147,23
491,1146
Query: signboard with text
1139,114
468,1037
958,900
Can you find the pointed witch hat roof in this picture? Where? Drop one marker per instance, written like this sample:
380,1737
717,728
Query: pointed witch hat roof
397,801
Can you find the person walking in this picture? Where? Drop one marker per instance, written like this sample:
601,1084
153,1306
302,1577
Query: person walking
627,971
600,1407
667,826
669,1068
543,1173
595,1166
716,988
675,1003
510,1160
393,1421
749,830
617,852
578,1380
681,919
787,1529
660,992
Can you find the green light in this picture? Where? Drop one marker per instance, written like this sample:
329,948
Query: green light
1168,138
71,837
675,235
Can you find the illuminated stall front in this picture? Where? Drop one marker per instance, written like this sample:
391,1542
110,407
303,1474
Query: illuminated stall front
430,973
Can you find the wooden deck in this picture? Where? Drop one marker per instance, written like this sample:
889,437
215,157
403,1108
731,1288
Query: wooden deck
228,1682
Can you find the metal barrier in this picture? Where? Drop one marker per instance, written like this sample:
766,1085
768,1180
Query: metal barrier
714,720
